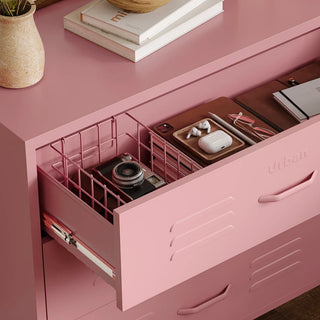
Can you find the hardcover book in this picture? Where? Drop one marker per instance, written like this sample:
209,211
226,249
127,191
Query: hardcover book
135,27
132,51
302,101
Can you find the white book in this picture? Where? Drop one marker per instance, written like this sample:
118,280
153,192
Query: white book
136,27
132,51
301,101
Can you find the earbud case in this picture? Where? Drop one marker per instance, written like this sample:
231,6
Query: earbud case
215,141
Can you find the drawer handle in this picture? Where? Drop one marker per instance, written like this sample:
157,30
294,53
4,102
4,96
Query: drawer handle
300,186
206,304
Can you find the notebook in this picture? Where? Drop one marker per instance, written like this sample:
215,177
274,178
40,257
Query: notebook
260,100
301,101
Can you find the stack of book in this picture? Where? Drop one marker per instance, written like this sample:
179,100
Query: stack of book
135,35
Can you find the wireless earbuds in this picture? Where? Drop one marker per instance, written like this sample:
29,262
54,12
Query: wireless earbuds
193,132
210,142
205,125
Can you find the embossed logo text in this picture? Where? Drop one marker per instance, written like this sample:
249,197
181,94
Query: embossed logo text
287,161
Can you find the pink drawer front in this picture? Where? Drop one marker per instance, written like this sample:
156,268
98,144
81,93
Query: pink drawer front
216,292
175,233
283,267
217,213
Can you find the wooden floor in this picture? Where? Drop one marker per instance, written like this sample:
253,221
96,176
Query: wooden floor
304,307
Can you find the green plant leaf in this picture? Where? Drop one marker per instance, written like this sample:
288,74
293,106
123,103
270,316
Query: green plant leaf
12,7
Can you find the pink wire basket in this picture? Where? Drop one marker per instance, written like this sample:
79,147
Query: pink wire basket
75,156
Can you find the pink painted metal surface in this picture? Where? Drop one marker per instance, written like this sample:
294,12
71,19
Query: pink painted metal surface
79,89
268,263
65,216
79,76
78,217
206,304
155,236
21,276
207,286
233,80
198,221
206,224
53,227
71,288
286,265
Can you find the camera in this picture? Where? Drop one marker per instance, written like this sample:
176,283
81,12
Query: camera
127,177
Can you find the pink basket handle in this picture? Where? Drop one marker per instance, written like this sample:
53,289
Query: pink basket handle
206,304
300,186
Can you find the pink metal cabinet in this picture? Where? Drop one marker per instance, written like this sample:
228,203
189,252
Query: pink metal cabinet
250,213
78,91
154,237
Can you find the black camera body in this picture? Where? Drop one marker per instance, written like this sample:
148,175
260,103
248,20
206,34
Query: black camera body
126,177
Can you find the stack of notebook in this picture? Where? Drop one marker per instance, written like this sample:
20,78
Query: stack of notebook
136,35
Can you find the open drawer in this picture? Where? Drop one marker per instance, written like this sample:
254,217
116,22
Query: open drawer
196,221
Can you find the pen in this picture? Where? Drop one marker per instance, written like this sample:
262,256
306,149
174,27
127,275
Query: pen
232,129
293,82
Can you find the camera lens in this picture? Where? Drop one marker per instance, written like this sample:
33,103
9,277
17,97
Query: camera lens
127,174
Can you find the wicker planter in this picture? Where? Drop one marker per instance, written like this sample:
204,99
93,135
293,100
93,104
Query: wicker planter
140,6
21,51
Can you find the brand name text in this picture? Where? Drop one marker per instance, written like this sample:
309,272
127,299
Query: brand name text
287,161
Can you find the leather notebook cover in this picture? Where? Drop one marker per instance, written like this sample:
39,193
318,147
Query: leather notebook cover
309,72
261,100
221,107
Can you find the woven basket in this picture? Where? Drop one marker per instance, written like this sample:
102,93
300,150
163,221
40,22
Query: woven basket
140,6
